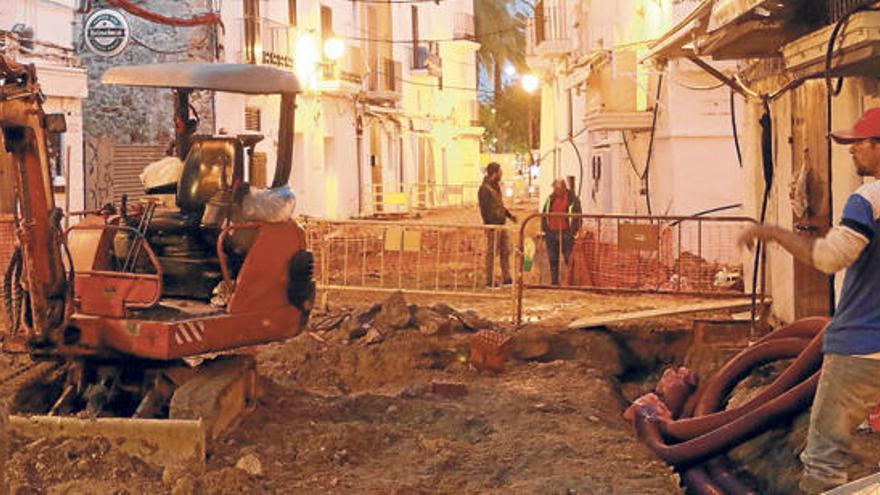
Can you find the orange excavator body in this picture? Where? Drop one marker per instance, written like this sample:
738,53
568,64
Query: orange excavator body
115,298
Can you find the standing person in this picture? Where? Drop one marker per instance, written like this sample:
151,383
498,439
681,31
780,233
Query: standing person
559,231
849,385
494,213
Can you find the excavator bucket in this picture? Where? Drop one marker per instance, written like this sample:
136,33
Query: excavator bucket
208,402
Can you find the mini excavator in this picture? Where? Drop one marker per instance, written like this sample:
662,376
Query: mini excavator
117,309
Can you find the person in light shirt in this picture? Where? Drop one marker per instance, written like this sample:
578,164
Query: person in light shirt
850,381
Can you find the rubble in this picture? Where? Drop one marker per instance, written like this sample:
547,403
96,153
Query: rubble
250,464
449,390
395,314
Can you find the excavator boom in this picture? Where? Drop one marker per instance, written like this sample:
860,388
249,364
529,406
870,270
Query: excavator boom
24,126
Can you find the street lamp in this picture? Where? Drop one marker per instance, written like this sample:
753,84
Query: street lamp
530,83
334,48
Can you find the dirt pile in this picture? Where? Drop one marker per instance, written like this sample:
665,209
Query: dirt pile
77,466
770,460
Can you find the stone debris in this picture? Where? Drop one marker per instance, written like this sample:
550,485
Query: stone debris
374,336
372,325
250,464
394,312
448,389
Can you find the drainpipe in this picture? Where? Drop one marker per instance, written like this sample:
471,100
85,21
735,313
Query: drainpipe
359,133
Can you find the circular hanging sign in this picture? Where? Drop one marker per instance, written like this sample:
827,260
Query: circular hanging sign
106,32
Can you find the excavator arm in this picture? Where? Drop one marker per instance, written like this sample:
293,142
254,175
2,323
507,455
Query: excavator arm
24,125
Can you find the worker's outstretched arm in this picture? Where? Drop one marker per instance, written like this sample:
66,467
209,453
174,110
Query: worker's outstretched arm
829,254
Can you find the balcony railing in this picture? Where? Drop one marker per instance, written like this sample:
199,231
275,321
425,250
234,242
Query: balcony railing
350,68
550,23
474,106
385,80
838,8
266,42
463,27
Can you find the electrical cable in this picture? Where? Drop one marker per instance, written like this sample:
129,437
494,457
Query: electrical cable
392,2
710,87
739,157
647,173
766,123
196,20
153,49
433,40
707,212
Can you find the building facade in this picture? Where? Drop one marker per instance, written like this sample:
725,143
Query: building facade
40,33
636,140
382,126
381,129
780,49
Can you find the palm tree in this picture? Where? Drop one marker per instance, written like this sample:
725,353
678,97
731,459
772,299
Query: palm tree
501,34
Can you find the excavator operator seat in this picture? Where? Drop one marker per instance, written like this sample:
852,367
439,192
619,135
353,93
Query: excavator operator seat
208,160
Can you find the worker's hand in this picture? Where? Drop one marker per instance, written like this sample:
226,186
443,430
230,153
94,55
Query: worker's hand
754,233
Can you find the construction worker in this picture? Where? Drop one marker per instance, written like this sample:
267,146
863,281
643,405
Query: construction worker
560,231
494,213
848,386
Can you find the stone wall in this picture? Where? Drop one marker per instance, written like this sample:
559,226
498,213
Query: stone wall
125,115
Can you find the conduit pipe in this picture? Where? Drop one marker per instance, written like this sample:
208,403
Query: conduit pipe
808,361
708,445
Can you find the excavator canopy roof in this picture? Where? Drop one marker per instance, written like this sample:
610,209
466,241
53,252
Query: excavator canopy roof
233,78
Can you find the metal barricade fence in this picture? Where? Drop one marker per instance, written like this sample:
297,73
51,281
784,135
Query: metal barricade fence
380,199
427,196
673,255
440,259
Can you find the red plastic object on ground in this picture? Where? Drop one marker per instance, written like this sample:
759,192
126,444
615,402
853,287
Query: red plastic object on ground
874,418
489,350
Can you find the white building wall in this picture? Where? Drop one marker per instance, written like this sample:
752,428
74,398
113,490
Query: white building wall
62,80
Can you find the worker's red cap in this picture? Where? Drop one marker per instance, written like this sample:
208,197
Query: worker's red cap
868,126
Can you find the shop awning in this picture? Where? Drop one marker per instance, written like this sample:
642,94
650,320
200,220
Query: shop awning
582,68
678,41
749,29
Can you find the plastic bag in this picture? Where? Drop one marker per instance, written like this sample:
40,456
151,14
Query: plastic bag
162,173
268,205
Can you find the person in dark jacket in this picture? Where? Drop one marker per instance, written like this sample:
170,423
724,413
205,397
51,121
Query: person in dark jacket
559,231
494,213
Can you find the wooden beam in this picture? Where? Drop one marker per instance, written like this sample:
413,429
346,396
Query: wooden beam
604,320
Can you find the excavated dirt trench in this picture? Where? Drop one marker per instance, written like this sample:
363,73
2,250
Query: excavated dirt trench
406,414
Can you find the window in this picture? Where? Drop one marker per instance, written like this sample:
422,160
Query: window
415,34
54,145
251,30
326,22
252,118
291,12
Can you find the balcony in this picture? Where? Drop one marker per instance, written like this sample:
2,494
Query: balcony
384,81
266,42
474,107
547,34
426,59
463,27
838,8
